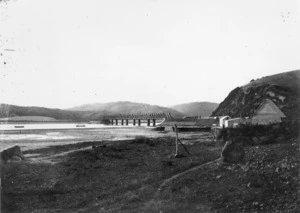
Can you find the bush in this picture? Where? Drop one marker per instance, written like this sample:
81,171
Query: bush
260,134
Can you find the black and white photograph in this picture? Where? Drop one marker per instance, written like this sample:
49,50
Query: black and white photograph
158,106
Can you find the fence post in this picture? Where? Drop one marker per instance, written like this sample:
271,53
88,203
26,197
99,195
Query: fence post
176,132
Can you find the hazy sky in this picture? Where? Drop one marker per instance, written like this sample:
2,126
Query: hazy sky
62,53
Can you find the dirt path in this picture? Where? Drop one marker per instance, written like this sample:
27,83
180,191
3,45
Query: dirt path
165,182
203,207
52,159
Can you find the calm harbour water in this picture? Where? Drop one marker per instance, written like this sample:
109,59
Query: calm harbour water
43,126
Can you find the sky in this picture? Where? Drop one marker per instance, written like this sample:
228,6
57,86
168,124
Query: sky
61,54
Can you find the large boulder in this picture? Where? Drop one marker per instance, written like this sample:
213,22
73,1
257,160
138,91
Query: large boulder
232,152
10,152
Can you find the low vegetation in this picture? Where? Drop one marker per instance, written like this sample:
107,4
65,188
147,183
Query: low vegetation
261,134
117,177
142,175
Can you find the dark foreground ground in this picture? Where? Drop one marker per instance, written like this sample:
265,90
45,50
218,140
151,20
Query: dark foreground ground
140,176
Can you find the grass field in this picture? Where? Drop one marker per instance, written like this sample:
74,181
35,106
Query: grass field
134,171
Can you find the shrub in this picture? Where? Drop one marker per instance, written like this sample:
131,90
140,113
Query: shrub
260,134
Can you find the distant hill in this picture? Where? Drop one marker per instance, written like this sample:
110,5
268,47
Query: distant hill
196,108
29,119
7,110
81,113
125,107
283,89
290,80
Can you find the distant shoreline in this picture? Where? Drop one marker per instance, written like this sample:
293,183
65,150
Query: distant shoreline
20,127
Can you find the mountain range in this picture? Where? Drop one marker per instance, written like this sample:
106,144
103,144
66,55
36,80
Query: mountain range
99,111
283,89
125,107
203,109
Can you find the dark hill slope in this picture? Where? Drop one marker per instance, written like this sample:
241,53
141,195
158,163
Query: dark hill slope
7,110
290,80
283,89
86,113
126,107
196,108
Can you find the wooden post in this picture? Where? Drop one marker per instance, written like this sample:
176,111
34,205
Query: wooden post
176,132
112,121
148,122
178,140
126,122
154,122
139,122
133,122
117,122
122,122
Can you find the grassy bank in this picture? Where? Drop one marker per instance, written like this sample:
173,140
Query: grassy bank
115,177
126,176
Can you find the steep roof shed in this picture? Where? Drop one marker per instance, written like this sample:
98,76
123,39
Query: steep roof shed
267,113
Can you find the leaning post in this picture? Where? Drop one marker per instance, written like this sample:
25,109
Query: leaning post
176,132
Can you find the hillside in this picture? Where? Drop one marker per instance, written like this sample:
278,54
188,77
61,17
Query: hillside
7,110
126,107
283,89
28,119
84,113
196,108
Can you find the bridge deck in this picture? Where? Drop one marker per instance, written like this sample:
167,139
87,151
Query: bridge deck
140,116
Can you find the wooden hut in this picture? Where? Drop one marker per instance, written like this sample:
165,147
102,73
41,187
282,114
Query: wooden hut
267,113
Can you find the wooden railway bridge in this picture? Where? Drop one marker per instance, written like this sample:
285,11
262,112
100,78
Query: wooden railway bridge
137,118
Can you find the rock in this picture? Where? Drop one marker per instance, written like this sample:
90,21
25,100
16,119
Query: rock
10,152
232,152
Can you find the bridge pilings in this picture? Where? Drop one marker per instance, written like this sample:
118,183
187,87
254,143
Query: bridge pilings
136,120
154,122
